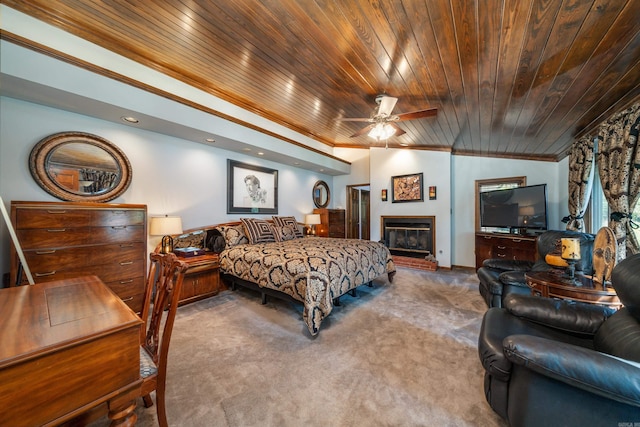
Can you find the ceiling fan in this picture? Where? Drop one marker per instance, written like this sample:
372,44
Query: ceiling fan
383,124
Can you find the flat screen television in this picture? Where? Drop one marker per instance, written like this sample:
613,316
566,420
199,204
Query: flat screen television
515,208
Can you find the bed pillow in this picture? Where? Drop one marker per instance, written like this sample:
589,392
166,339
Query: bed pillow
290,221
190,240
258,230
282,234
233,235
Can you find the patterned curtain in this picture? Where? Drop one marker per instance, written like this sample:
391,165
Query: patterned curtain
619,169
580,181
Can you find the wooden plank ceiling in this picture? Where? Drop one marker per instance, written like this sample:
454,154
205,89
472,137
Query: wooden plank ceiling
510,78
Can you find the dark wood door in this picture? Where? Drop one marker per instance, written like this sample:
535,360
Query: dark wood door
358,208
365,223
353,220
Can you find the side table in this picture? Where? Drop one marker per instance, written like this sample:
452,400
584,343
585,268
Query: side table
554,285
202,278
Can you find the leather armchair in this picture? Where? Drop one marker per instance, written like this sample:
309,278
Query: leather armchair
551,362
501,277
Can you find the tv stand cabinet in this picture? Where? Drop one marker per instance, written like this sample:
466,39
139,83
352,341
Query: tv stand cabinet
505,246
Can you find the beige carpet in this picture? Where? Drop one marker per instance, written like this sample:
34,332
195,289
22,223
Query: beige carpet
399,354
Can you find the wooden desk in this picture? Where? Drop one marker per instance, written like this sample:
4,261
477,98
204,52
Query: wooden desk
67,346
554,285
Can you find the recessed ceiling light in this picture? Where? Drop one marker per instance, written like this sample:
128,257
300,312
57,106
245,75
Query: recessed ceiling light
260,153
130,119
296,163
246,149
210,140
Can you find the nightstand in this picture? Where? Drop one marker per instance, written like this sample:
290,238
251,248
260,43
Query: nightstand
202,278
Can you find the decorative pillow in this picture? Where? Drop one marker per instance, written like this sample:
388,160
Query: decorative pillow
233,235
214,241
282,234
258,230
282,221
190,240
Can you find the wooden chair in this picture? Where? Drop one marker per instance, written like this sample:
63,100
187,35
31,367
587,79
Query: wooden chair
164,282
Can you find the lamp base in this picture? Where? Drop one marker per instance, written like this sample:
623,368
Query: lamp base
570,273
166,245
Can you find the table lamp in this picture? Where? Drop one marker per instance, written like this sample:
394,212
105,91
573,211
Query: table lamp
571,254
312,220
165,226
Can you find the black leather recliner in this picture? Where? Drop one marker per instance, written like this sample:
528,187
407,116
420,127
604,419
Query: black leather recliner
550,362
501,277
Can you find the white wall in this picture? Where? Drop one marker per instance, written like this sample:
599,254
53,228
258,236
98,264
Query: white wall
170,175
436,167
359,159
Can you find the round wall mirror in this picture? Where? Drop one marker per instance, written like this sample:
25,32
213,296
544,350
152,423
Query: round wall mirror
80,167
321,194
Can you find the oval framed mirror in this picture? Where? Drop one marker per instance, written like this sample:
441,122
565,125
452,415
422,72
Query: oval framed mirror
80,167
321,194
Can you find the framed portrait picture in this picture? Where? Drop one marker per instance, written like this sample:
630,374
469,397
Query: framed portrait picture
407,188
251,189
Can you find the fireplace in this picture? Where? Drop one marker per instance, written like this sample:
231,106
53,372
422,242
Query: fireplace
409,236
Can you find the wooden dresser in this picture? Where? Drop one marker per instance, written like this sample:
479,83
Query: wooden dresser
505,246
332,223
63,240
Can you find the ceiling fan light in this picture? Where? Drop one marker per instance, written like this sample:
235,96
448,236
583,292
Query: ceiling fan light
382,131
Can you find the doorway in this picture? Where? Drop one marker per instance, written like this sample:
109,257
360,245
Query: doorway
358,208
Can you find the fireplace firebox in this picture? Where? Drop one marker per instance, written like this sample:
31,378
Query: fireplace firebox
409,236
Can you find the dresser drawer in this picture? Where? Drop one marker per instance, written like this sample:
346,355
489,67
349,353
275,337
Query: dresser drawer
131,291
117,217
77,236
106,272
50,217
64,258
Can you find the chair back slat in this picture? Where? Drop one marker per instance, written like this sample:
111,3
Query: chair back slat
166,274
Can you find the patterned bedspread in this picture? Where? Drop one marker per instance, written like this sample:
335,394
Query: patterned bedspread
312,270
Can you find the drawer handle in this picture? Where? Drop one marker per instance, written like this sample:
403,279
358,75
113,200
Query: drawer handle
51,273
488,237
119,227
126,263
130,245
501,255
56,230
517,240
122,282
502,247
58,211
127,299
45,252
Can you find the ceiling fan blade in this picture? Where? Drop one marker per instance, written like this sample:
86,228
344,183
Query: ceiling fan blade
387,103
364,130
398,129
417,114
357,119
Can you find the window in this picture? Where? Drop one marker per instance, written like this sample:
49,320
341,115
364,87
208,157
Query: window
483,185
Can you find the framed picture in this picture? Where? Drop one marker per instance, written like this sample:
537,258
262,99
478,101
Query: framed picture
251,189
407,188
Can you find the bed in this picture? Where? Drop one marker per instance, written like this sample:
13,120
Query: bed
312,270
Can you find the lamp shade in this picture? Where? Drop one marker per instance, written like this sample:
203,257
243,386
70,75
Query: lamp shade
312,219
165,225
